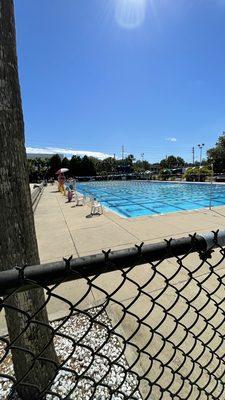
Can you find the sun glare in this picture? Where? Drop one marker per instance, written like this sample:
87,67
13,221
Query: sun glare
130,13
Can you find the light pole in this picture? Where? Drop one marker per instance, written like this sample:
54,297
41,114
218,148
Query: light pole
200,148
122,152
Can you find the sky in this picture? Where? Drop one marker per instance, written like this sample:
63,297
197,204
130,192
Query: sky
97,75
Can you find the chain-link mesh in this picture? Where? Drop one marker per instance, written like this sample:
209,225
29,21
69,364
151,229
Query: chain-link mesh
155,331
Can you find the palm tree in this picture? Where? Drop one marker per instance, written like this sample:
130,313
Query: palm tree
18,244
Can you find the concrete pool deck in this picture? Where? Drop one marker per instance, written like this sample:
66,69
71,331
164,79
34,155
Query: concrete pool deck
63,229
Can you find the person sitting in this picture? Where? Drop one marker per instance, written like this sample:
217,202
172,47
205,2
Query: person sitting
69,193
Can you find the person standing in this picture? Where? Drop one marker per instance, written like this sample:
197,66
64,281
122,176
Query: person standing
61,182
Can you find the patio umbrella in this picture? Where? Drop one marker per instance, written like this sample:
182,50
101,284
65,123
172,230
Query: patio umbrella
61,171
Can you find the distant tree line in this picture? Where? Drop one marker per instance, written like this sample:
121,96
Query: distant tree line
90,166
84,166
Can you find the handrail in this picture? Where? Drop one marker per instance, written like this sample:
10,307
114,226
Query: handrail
36,194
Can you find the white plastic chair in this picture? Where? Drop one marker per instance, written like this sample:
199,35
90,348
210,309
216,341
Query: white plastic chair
96,208
79,199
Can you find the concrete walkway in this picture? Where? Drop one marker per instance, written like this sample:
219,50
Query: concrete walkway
64,230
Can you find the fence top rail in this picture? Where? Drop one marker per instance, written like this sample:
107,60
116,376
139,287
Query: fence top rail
26,277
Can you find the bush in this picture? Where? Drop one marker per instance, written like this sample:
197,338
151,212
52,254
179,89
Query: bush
197,173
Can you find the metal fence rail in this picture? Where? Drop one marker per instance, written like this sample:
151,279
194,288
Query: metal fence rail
36,194
141,323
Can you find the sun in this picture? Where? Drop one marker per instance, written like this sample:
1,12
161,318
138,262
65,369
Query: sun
130,14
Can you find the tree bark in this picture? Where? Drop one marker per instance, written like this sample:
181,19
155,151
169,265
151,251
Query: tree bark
18,244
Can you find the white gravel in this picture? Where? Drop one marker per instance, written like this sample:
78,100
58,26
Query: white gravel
96,360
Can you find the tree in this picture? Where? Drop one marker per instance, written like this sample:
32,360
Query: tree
130,159
125,166
108,165
37,168
141,166
180,162
75,166
65,163
32,170
97,164
197,173
217,154
87,167
55,163
172,162
18,244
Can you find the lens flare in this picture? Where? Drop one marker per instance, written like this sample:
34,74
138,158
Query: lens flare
130,13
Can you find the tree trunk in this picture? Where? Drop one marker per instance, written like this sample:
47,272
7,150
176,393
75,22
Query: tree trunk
18,244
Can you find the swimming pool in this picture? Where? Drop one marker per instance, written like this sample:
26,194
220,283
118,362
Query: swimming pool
138,198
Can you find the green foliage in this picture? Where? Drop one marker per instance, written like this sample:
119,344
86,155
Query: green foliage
38,169
87,167
217,155
91,166
164,174
172,162
194,173
107,166
126,166
141,166
75,166
55,163
65,163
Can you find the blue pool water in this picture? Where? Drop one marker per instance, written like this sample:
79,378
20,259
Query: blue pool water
138,198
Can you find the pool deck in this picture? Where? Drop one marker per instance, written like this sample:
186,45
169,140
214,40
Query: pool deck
64,229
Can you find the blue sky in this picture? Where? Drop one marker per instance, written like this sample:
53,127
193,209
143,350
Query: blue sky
99,74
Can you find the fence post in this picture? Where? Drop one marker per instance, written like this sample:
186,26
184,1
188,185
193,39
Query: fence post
211,189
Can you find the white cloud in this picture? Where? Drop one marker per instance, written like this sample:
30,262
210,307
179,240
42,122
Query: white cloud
171,139
67,152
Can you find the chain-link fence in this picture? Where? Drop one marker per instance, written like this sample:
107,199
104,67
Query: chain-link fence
140,323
